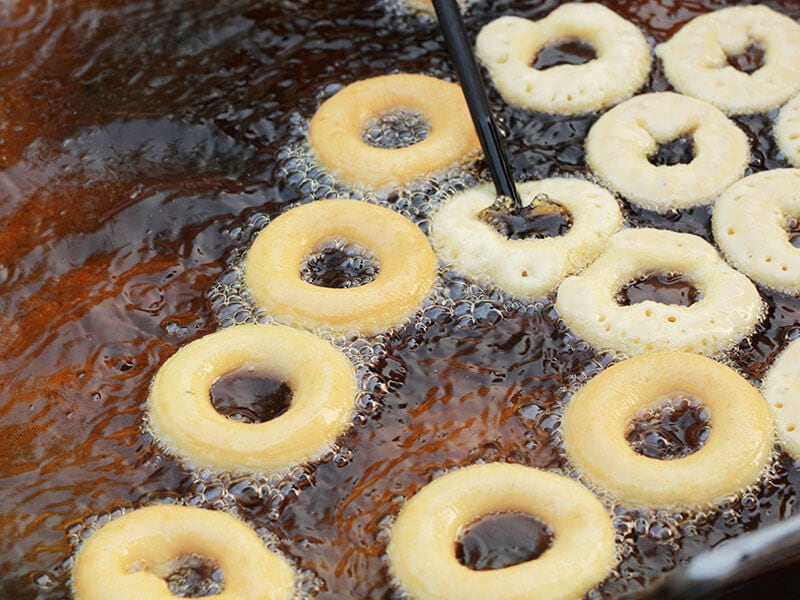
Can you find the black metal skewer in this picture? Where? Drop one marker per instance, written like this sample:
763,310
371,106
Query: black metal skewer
455,36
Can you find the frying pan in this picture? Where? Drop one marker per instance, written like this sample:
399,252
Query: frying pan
143,145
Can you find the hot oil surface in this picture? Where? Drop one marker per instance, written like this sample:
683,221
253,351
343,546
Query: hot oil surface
139,143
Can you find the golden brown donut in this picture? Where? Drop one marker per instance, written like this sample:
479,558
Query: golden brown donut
422,546
321,378
406,267
734,455
336,130
129,557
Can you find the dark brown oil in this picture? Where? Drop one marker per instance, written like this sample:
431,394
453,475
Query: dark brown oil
340,265
749,61
675,152
140,145
675,428
540,219
793,229
569,52
502,540
659,286
250,397
195,576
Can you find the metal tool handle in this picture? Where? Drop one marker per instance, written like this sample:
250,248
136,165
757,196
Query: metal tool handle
449,16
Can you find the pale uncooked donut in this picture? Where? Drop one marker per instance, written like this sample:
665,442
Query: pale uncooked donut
337,128
129,557
320,377
406,267
508,46
422,546
696,58
619,143
728,311
734,455
527,268
781,388
749,224
787,130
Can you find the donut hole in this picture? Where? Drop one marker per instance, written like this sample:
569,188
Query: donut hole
664,287
542,218
676,427
195,576
502,540
793,230
396,129
564,52
679,151
339,264
749,61
249,396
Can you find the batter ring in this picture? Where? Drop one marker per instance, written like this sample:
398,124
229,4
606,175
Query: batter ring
733,456
406,270
696,59
787,130
320,377
620,143
527,268
129,557
422,546
337,128
728,310
749,224
781,389
509,45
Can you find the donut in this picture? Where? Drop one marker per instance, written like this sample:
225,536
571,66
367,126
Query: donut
695,59
729,309
508,46
781,388
130,557
183,419
336,130
749,225
422,544
406,267
733,456
527,268
620,143
787,130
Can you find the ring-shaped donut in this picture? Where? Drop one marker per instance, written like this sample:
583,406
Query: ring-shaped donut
183,419
422,544
619,144
733,456
696,59
406,267
728,310
787,130
508,46
129,557
337,128
780,387
527,268
749,224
